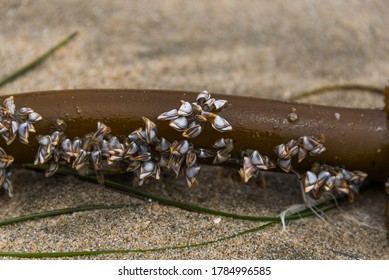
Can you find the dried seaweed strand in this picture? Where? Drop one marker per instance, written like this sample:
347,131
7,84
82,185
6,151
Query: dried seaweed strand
37,61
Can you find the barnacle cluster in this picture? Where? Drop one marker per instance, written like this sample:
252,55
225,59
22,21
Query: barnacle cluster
16,122
302,147
13,123
325,178
142,152
322,178
253,163
191,117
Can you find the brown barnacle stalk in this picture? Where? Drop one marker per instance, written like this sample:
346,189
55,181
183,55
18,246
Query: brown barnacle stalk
139,132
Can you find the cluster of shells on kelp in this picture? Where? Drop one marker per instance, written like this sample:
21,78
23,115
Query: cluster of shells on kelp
13,123
146,154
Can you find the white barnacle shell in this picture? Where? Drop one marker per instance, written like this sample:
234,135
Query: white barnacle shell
196,107
220,157
113,158
192,131
132,148
34,117
282,151
163,161
208,105
76,147
12,133
133,136
261,162
115,147
23,133
102,130
157,172
310,181
3,128
322,178
269,163
309,143
179,124
175,163
342,186
70,149
169,115
302,154
256,158
147,169
294,150
219,104
66,146
14,126
25,111
150,135
42,155
220,143
55,137
96,159
203,97
329,183
80,160
204,153
347,175
248,169
229,146
191,174
5,159
180,148
191,159
292,143
285,164
163,145
306,143
9,105
317,150
45,141
141,134
104,147
221,124
150,130
185,109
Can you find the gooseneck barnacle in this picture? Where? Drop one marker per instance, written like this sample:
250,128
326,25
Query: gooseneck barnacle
137,131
